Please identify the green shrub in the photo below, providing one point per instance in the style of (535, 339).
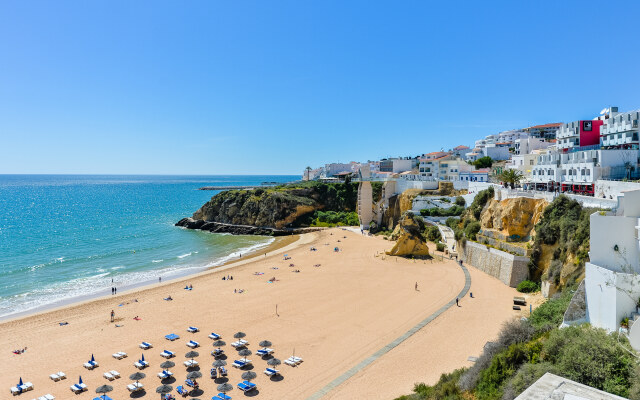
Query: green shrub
(432, 233)
(527, 286)
(445, 389)
(526, 376)
(440, 246)
(472, 229)
(460, 201)
(480, 201)
(442, 212)
(549, 314)
(592, 357)
(333, 218)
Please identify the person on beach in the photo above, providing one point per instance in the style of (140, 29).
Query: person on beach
(159, 279)
(115, 290)
(113, 315)
(416, 286)
(112, 290)
(457, 302)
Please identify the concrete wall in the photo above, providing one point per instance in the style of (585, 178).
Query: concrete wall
(608, 231)
(510, 269)
(402, 185)
(613, 189)
(586, 201)
(611, 296)
(365, 204)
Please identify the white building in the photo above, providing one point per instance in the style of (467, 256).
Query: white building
(496, 152)
(563, 171)
(450, 170)
(312, 174)
(528, 145)
(335, 168)
(398, 165)
(523, 163)
(511, 136)
(429, 165)
(621, 130)
(612, 280)
(480, 175)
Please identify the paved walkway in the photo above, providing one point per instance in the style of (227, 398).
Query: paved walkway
(364, 363)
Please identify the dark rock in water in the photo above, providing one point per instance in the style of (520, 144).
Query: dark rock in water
(218, 227)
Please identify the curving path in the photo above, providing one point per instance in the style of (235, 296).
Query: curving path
(369, 360)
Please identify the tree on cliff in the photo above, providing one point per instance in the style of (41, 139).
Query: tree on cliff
(483, 162)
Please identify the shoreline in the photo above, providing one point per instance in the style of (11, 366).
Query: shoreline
(272, 248)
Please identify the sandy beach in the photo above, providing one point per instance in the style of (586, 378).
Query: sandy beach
(333, 316)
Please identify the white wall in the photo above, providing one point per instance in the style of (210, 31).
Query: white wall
(613, 188)
(608, 231)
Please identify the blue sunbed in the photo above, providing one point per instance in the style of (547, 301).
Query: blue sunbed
(250, 384)
(244, 387)
(181, 390)
(221, 396)
(172, 337)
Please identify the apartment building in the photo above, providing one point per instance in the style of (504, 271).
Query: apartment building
(545, 131)
(398, 165)
(579, 134)
(621, 130)
(529, 144)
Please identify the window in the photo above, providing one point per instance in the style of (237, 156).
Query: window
(588, 172)
(530, 162)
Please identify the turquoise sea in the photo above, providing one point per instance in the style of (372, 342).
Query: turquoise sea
(66, 237)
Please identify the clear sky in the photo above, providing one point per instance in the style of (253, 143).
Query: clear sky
(269, 87)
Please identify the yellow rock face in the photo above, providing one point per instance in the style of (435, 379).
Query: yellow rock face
(409, 245)
(513, 216)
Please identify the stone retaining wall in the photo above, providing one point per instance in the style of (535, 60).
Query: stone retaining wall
(510, 269)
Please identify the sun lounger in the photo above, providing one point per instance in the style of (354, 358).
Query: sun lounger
(190, 363)
(135, 386)
(119, 355)
(115, 374)
(145, 345)
(172, 337)
(192, 329)
(271, 371)
(77, 388)
(264, 352)
(165, 374)
(240, 343)
(223, 371)
(193, 344)
(217, 352)
(214, 336)
(54, 377)
(141, 364)
(61, 375)
(15, 391)
(190, 382)
(102, 397)
(182, 391)
(167, 354)
(214, 373)
(241, 363)
(293, 361)
(108, 376)
(48, 397)
(221, 396)
(244, 387)
(90, 364)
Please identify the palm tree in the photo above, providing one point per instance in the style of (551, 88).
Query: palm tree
(308, 169)
(511, 177)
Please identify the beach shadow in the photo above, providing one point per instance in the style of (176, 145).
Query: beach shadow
(220, 380)
(276, 378)
(221, 357)
(252, 393)
(138, 394)
(169, 380)
(247, 367)
(196, 392)
(196, 368)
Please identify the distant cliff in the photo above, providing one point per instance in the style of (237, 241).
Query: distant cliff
(273, 210)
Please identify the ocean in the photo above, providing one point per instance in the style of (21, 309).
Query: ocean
(67, 237)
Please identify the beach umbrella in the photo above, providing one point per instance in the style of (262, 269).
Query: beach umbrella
(225, 387)
(274, 362)
(219, 363)
(249, 375)
(92, 358)
(104, 389)
(79, 380)
(244, 353)
(167, 365)
(20, 383)
(192, 354)
(219, 343)
(137, 376)
(194, 375)
(239, 335)
(164, 389)
(142, 359)
(265, 343)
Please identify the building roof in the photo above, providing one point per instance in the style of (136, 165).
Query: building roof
(552, 386)
(343, 173)
(461, 147)
(552, 125)
(481, 171)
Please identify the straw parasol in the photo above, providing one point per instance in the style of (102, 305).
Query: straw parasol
(239, 335)
(274, 362)
(164, 389)
(249, 375)
(244, 353)
(167, 365)
(265, 343)
(219, 363)
(225, 387)
(194, 375)
(104, 389)
(137, 376)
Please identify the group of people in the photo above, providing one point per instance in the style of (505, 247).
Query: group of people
(114, 290)
(19, 351)
(227, 278)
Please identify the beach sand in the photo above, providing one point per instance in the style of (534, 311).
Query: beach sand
(333, 316)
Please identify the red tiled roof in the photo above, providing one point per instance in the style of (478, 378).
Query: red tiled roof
(461, 147)
(553, 125)
(480, 171)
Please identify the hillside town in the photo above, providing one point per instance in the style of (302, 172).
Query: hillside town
(554, 157)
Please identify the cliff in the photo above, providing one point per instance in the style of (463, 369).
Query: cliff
(513, 218)
(409, 241)
(274, 210)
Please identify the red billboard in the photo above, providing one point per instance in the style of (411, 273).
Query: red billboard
(590, 132)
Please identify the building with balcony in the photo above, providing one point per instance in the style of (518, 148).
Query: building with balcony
(398, 165)
(528, 145)
(621, 131)
(579, 134)
(545, 131)
(429, 165)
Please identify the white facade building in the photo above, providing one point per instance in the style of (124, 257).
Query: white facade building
(511, 136)
(429, 165)
(621, 130)
(528, 145)
(480, 175)
(496, 152)
(568, 135)
(335, 168)
(612, 280)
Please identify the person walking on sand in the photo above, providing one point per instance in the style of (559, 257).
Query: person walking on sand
(457, 302)
(159, 279)
(416, 286)
(113, 315)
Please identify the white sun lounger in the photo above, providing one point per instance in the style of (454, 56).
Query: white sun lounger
(264, 352)
(61, 375)
(15, 391)
(165, 374)
(214, 336)
(108, 376)
(145, 345)
(293, 361)
(240, 343)
(46, 397)
(135, 386)
(77, 388)
(167, 354)
(91, 364)
(193, 344)
(190, 363)
(26, 387)
(271, 371)
(55, 377)
(193, 329)
(119, 355)
(141, 364)
(115, 374)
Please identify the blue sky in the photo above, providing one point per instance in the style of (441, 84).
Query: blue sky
(273, 86)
